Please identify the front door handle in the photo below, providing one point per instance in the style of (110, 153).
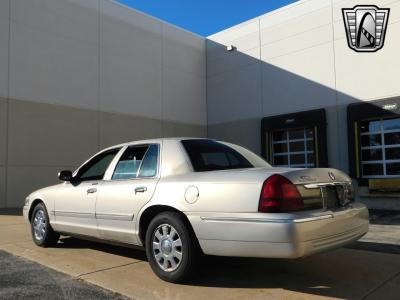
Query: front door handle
(91, 191)
(140, 189)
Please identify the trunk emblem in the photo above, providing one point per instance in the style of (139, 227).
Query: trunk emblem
(331, 175)
(307, 178)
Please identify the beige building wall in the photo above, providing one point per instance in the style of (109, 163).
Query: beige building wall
(79, 75)
(294, 59)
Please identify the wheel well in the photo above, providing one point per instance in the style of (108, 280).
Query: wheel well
(151, 212)
(34, 203)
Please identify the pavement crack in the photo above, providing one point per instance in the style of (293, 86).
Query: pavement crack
(380, 285)
(106, 269)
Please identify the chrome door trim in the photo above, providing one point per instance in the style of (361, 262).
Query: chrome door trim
(117, 217)
(73, 214)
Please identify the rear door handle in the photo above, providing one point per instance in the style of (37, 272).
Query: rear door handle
(91, 191)
(140, 189)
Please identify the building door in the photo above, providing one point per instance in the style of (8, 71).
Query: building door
(295, 140)
(380, 148)
(293, 148)
(374, 144)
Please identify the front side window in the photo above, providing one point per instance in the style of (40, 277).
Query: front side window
(137, 161)
(209, 155)
(97, 166)
(380, 148)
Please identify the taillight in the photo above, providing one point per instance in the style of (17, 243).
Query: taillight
(279, 194)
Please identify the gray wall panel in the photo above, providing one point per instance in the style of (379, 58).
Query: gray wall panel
(183, 51)
(54, 69)
(120, 128)
(184, 97)
(50, 62)
(2, 186)
(234, 95)
(22, 180)
(50, 135)
(3, 131)
(130, 72)
(177, 129)
(4, 39)
(241, 132)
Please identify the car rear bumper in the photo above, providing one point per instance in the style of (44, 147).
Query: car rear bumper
(279, 235)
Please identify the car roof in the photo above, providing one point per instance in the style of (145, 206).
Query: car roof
(158, 140)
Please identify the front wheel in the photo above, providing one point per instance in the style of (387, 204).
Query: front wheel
(171, 247)
(42, 233)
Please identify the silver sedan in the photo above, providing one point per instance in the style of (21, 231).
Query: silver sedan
(181, 198)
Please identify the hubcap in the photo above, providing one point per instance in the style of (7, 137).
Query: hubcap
(167, 247)
(39, 224)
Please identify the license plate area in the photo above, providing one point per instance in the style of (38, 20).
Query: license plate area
(335, 196)
(331, 199)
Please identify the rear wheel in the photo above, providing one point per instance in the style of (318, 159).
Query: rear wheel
(42, 233)
(171, 247)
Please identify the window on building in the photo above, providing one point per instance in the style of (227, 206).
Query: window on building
(380, 148)
(295, 140)
(293, 148)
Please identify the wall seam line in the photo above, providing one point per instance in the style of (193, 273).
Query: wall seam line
(206, 84)
(261, 80)
(99, 77)
(336, 91)
(6, 169)
(162, 82)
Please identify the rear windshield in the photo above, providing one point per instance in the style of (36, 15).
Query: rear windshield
(209, 155)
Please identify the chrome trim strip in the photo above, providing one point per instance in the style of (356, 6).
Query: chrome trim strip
(73, 214)
(117, 217)
(318, 185)
(266, 220)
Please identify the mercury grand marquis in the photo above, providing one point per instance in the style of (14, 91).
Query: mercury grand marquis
(180, 198)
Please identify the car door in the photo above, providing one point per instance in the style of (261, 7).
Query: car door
(121, 196)
(76, 200)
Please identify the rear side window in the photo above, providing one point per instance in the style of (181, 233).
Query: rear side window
(149, 164)
(209, 155)
(137, 161)
(129, 163)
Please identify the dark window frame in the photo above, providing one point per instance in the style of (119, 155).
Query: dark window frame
(315, 119)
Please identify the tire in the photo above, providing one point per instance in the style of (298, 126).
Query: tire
(42, 233)
(169, 240)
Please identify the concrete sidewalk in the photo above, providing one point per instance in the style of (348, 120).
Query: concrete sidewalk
(343, 273)
(383, 234)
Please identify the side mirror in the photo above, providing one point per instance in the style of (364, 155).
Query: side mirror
(65, 175)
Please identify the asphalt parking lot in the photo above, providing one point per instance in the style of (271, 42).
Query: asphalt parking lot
(24, 279)
(347, 273)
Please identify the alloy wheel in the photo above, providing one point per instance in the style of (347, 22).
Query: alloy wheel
(167, 247)
(39, 224)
